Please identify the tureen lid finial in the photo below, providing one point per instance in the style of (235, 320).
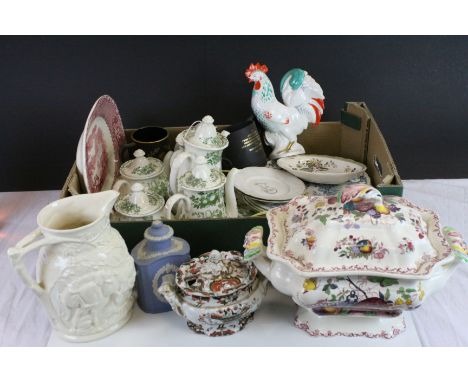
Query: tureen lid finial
(204, 134)
(158, 236)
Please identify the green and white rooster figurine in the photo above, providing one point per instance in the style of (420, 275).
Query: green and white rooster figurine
(304, 104)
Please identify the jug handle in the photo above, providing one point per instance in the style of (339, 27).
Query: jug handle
(183, 212)
(175, 167)
(26, 245)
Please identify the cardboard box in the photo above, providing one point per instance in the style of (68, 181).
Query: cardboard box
(356, 136)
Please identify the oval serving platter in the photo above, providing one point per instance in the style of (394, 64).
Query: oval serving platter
(322, 169)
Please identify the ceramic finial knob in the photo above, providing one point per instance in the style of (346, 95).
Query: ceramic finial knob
(140, 160)
(137, 196)
(138, 153)
(158, 236)
(208, 119)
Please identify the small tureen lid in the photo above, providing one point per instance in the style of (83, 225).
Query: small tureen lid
(357, 232)
(203, 134)
(202, 177)
(141, 167)
(215, 274)
(138, 203)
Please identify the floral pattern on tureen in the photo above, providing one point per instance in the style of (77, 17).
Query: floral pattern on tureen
(215, 274)
(357, 231)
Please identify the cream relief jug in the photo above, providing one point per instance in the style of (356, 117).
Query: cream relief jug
(205, 191)
(200, 139)
(84, 273)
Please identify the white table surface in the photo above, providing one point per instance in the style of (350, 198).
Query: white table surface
(272, 326)
(441, 321)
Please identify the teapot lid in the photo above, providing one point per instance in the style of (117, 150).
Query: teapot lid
(138, 203)
(215, 274)
(141, 167)
(202, 177)
(203, 134)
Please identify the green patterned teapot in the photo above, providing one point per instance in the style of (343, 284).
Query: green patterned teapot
(206, 192)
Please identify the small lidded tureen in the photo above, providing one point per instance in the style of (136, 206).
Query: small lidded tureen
(354, 261)
(217, 293)
(148, 171)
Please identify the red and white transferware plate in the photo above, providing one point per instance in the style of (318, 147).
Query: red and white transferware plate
(98, 154)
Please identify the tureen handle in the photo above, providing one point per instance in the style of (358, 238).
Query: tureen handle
(458, 245)
(256, 251)
(168, 290)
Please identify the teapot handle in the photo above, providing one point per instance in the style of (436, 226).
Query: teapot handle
(183, 211)
(118, 185)
(178, 160)
(231, 201)
(26, 245)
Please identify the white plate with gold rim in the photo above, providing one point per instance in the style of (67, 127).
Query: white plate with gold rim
(268, 183)
(322, 169)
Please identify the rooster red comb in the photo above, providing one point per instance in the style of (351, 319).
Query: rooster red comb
(253, 67)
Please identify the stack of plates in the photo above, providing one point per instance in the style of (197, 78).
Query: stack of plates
(259, 189)
(254, 205)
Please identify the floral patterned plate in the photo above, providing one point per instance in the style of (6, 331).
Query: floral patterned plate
(321, 168)
(316, 189)
(98, 154)
(357, 232)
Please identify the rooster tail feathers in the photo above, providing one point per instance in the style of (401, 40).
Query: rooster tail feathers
(295, 78)
(301, 91)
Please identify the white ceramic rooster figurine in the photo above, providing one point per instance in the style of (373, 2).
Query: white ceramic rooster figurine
(304, 102)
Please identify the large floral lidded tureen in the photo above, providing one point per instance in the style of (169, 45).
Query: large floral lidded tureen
(217, 293)
(353, 262)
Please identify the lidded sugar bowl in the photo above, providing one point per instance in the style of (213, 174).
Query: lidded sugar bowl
(217, 292)
(150, 172)
(353, 262)
(157, 258)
